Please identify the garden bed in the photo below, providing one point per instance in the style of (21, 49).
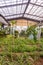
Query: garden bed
(20, 51)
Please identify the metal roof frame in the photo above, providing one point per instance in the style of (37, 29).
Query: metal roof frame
(25, 4)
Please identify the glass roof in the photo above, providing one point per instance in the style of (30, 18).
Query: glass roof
(32, 9)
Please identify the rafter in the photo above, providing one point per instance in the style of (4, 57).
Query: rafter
(21, 14)
(12, 5)
(26, 7)
(36, 4)
(13, 15)
(3, 18)
(23, 18)
(34, 15)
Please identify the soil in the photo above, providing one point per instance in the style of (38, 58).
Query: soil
(39, 62)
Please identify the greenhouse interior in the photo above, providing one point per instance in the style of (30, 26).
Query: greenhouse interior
(21, 32)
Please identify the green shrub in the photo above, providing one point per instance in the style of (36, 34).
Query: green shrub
(31, 30)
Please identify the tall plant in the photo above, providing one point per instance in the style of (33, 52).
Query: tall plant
(12, 23)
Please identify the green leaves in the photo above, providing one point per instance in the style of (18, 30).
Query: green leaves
(31, 30)
(13, 22)
(11, 44)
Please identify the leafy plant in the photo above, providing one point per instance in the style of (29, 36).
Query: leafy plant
(31, 30)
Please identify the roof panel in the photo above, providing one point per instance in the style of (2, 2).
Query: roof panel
(8, 2)
(23, 8)
(38, 10)
(4, 11)
(25, 0)
(18, 9)
(11, 2)
(33, 1)
(13, 10)
(29, 7)
(39, 2)
(33, 9)
(40, 13)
